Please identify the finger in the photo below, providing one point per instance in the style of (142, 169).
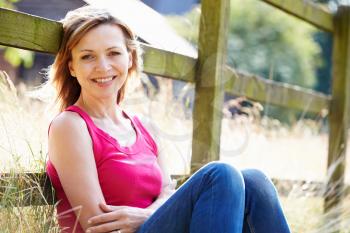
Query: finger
(102, 218)
(106, 227)
(109, 208)
(106, 208)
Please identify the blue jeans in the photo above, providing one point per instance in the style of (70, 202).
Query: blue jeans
(220, 199)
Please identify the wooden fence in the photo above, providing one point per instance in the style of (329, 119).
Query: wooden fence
(212, 77)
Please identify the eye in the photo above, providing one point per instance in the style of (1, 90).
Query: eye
(86, 57)
(114, 53)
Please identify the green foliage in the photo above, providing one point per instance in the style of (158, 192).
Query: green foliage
(266, 42)
(263, 41)
(16, 56)
(270, 43)
(187, 25)
(8, 3)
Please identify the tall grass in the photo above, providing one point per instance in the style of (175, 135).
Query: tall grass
(23, 147)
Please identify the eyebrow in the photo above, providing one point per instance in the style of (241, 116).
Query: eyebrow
(89, 50)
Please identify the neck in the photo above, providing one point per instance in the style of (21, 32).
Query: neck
(100, 109)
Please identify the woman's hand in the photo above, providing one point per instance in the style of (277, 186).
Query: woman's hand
(124, 218)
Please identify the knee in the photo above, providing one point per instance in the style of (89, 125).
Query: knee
(258, 184)
(225, 175)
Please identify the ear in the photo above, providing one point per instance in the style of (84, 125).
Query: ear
(130, 60)
(71, 70)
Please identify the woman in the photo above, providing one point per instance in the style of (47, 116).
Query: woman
(104, 164)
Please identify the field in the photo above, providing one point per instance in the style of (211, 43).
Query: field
(297, 152)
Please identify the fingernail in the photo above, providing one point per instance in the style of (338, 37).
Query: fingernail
(89, 221)
(88, 231)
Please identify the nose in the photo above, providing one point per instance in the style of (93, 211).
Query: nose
(102, 64)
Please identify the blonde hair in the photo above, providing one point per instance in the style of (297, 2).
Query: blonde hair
(75, 25)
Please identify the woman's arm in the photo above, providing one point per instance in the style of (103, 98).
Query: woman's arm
(127, 218)
(71, 153)
(168, 186)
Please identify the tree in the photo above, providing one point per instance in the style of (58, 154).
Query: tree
(8, 3)
(267, 42)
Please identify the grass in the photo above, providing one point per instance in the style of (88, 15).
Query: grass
(305, 214)
(297, 152)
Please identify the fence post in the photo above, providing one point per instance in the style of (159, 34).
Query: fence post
(338, 109)
(209, 90)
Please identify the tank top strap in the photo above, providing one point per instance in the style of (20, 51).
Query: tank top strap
(146, 135)
(89, 123)
(82, 114)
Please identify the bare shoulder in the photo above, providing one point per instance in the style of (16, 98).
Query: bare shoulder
(71, 153)
(68, 133)
(66, 121)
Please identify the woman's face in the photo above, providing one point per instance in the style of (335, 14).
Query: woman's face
(100, 61)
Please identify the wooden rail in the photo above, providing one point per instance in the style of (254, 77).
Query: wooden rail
(29, 189)
(162, 63)
(168, 64)
(26, 31)
(307, 11)
(34, 33)
(276, 93)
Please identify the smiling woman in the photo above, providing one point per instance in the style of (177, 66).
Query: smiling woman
(100, 63)
(104, 164)
(78, 24)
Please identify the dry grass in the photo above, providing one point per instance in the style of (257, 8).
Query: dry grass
(297, 152)
(305, 215)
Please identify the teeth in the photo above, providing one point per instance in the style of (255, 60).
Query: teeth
(103, 80)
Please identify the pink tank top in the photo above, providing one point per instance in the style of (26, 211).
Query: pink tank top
(128, 176)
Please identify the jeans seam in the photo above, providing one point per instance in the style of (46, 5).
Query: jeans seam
(202, 181)
(211, 207)
(251, 228)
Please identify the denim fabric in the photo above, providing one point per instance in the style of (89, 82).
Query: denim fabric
(220, 199)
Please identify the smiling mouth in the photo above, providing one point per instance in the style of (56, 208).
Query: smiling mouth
(103, 80)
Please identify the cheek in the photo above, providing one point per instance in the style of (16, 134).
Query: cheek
(84, 69)
(122, 62)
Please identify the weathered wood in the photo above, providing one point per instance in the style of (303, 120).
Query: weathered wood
(34, 33)
(168, 64)
(28, 189)
(158, 62)
(207, 112)
(284, 186)
(25, 189)
(276, 93)
(25, 31)
(338, 109)
(307, 11)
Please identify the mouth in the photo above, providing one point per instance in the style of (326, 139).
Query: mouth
(104, 79)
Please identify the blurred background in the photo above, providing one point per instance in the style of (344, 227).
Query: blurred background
(288, 145)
